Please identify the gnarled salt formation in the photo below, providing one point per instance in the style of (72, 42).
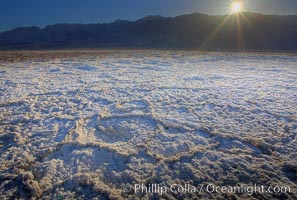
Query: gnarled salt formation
(82, 125)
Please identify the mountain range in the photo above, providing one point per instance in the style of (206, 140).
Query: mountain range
(244, 31)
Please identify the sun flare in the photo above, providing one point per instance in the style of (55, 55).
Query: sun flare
(236, 7)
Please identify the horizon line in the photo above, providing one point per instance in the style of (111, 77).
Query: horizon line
(157, 15)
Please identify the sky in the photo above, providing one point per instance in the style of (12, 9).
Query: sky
(20, 13)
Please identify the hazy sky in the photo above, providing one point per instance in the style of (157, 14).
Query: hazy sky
(15, 13)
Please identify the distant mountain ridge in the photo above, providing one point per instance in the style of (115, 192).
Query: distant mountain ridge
(247, 31)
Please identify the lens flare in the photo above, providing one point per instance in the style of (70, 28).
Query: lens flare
(236, 7)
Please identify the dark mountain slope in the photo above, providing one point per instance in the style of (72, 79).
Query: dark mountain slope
(248, 31)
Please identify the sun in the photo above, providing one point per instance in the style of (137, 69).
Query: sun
(236, 7)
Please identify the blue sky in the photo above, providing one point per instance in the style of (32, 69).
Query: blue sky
(15, 13)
